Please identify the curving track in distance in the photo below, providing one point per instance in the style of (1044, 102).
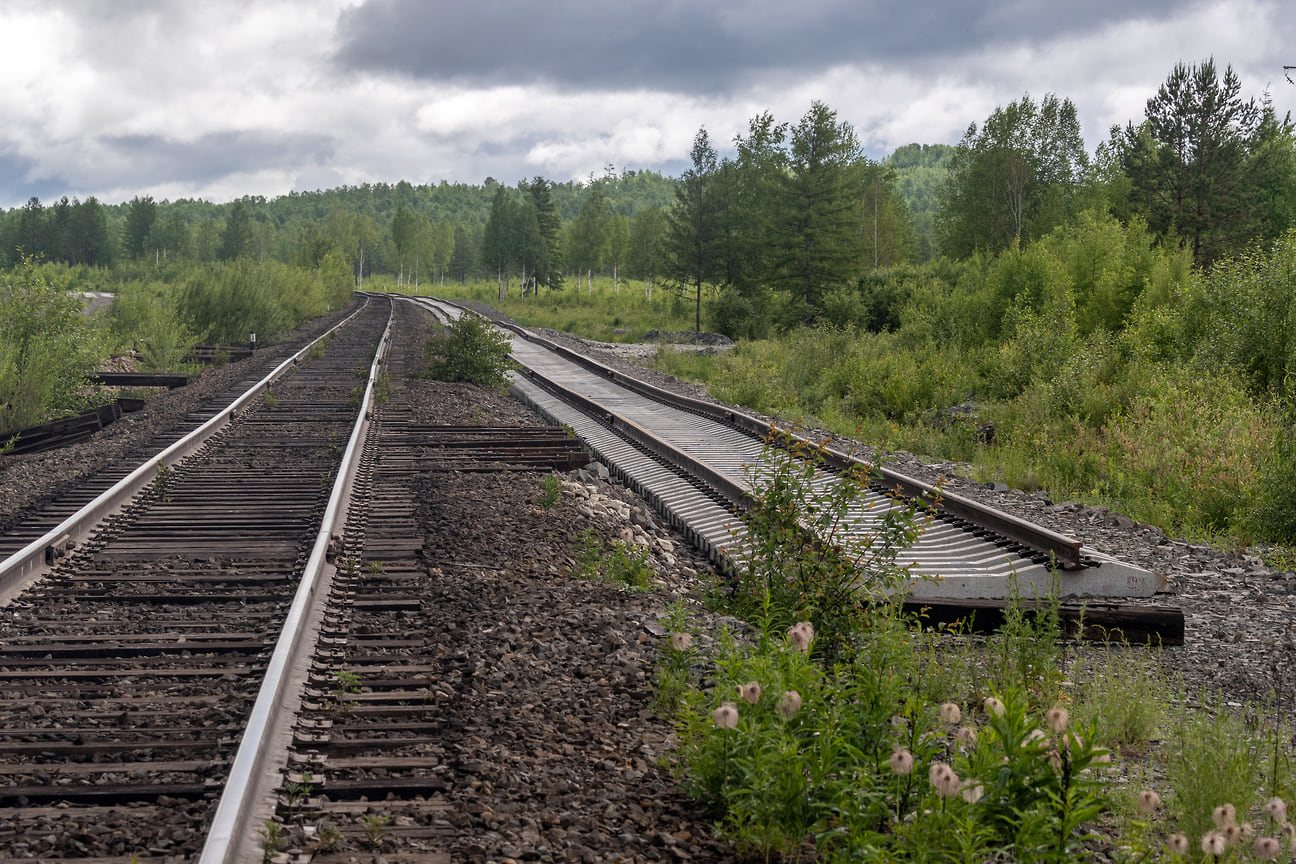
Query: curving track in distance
(696, 461)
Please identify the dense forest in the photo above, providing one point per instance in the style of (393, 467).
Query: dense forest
(1088, 306)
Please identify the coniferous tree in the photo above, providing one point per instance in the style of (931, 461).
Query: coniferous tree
(32, 230)
(1190, 165)
(816, 237)
(87, 235)
(549, 270)
(496, 255)
(140, 216)
(236, 236)
(757, 172)
(693, 229)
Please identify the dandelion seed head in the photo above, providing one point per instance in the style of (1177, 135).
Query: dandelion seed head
(972, 791)
(994, 706)
(1213, 843)
(726, 716)
(1178, 844)
(789, 704)
(950, 713)
(800, 635)
(944, 779)
(965, 737)
(681, 641)
(1266, 848)
(1148, 801)
(1057, 720)
(902, 762)
(1232, 833)
(1276, 809)
(750, 692)
(1225, 814)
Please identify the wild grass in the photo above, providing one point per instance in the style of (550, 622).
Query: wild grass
(605, 315)
(881, 740)
(1187, 450)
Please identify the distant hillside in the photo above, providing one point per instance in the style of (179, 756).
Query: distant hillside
(920, 172)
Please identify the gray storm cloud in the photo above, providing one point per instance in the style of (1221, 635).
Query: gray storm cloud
(689, 46)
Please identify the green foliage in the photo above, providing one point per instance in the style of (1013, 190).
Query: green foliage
(147, 318)
(376, 827)
(382, 389)
(550, 492)
(1274, 512)
(271, 836)
(471, 350)
(693, 227)
(674, 674)
(1013, 179)
(1165, 401)
(162, 481)
(627, 564)
(589, 555)
(920, 171)
(48, 349)
(1190, 165)
(1210, 762)
(345, 684)
(623, 563)
(1241, 316)
(816, 241)
(821, 552)
(782, 752)
(1023, 655)
(224, 303)
(1126, 698)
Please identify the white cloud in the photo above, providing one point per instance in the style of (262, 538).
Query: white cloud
(219, 99)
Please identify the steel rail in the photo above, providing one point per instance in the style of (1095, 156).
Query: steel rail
(1012, 550)
(1063, 551)
(230, 838)
(25, 565)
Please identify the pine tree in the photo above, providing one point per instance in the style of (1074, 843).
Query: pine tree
(1189, 162)
(693, 226)
(816, 237)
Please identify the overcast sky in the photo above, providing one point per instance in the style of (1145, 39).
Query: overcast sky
(221, 98)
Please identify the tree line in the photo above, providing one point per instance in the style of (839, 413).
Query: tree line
(794, 221)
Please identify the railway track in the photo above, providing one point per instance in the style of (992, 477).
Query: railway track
(132, 668)
(148, 683)
(696, 462)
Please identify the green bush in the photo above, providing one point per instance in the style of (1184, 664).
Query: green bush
(49, 347)
(224, 303)
(146, 317)
(470, 350)
(823, 552)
